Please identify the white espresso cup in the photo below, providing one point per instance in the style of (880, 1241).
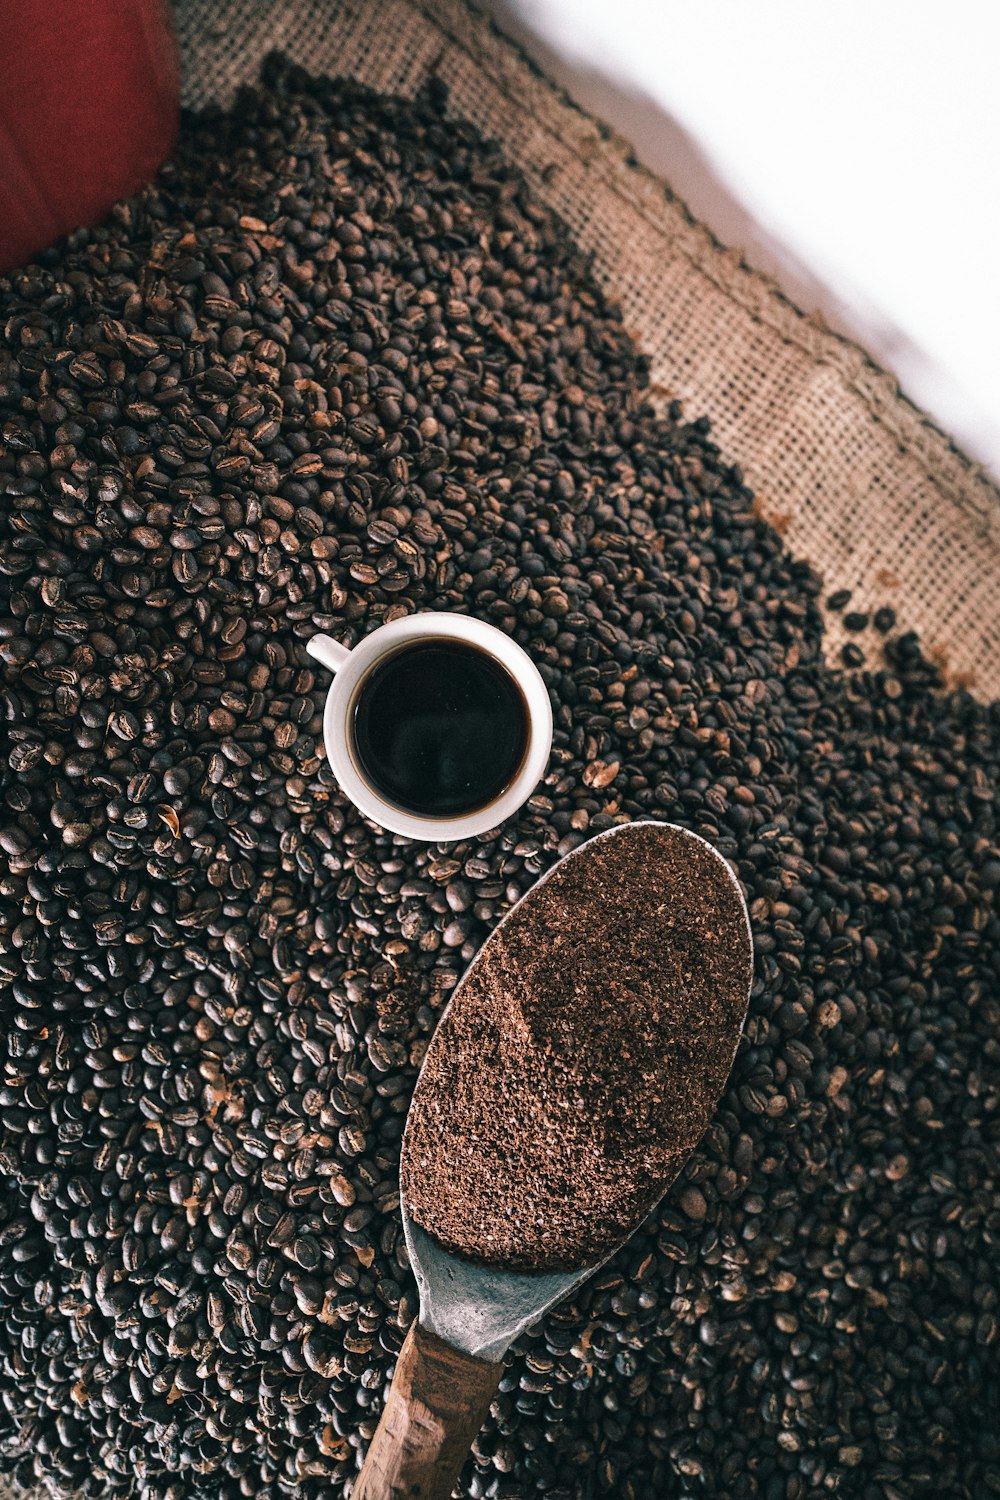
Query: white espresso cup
(352, 667)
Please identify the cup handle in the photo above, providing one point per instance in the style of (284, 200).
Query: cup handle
(324, 649)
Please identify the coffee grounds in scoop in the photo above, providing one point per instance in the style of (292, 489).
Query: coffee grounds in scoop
(583, 1054)
(440, 728)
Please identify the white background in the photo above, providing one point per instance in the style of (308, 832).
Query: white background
(851, 149)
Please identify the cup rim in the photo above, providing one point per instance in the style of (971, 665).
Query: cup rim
(379, 643)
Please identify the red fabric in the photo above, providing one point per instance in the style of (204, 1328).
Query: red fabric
(88, 111)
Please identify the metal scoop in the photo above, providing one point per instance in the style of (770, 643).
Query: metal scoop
(470, 1314)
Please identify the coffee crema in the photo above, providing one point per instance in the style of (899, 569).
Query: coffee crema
(439, 728)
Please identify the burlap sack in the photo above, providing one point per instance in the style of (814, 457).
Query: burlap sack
(860, 482)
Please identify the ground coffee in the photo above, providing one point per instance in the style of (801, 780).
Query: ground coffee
(582, 1055)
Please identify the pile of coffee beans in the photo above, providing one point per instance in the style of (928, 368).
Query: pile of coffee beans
(333, 367)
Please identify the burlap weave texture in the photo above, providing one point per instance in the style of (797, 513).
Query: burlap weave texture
(859, 481)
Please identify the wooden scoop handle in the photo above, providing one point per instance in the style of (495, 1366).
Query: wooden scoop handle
(437, 1403)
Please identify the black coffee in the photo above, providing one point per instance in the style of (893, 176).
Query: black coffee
(440, 728)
